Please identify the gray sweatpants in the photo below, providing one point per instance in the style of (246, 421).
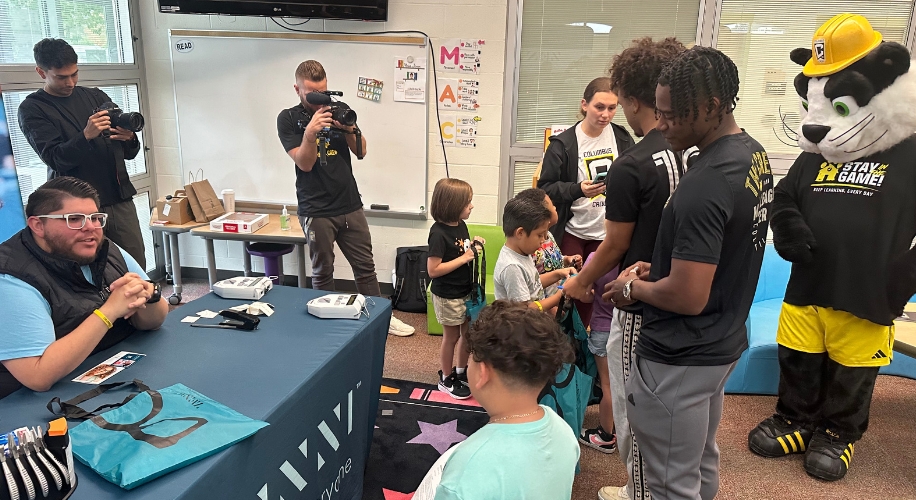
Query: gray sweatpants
(674, 412)
(624, 334)
(351, 232)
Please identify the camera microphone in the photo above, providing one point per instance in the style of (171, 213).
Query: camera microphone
(318, 99)
(340, 111)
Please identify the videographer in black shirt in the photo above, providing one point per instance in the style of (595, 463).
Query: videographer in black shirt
(65, 127)
(330, 208)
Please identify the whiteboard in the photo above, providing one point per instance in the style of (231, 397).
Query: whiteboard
(230, 87)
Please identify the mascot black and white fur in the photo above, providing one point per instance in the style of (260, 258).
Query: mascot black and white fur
(845, 216)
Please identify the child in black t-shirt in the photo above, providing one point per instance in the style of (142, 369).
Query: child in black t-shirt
(450, 254)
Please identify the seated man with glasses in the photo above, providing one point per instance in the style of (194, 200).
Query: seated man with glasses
(67, 290)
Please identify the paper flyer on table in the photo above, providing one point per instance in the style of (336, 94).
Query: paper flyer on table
(109, 368)
(410, 79)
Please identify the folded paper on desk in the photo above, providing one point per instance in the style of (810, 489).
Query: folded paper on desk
(153, 433)
(205, 205)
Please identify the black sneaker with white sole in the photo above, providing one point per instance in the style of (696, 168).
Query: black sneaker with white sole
(451, 386)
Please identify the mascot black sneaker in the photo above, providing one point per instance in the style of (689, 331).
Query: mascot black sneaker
(829, 456)
(778, 437)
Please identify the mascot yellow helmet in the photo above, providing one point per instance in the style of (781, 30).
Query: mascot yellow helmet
(839, 42)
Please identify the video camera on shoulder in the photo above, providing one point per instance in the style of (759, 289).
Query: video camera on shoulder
(132, 121)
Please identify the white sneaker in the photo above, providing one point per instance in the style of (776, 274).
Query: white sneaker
(613, 493)
(399, 328)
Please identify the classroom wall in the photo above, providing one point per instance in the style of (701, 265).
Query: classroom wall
(479, 19)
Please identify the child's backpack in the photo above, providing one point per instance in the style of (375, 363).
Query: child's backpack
(411, 279)
(478, 296)
(570, 393)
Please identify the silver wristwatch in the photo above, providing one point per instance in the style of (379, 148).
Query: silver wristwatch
(628, 288)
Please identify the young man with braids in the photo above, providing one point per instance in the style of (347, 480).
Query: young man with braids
(639, 184)
(698, 290)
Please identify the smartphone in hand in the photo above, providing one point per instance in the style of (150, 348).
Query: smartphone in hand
(600, 178)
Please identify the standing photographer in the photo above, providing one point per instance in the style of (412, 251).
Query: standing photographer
(63, 124)
(330, 208)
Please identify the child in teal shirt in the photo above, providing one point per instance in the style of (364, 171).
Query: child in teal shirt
(526, 451)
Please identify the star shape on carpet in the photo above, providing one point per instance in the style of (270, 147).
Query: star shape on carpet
(396, 495)
(439, 436)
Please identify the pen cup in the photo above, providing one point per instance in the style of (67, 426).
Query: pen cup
(228, 200)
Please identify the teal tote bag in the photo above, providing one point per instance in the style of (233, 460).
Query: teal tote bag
(152, 433)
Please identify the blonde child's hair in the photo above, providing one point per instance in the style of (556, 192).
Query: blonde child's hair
(450, 197)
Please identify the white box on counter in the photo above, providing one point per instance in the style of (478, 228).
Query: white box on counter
(239, 222)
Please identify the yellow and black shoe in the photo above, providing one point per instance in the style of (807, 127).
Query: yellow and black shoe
(778, 437)
(828, 456)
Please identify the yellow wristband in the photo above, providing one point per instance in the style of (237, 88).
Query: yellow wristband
(540, 307)
(104, 318)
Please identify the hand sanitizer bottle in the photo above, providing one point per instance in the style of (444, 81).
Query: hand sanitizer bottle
(284, 219)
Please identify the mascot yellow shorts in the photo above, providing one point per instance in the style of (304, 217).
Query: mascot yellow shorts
(847, 339)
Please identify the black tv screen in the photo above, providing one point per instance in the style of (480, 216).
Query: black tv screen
(365, 10)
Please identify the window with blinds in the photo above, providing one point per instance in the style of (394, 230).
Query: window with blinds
(566, 44)
(31, 170)
(523, 176)
(758, 36)
(98, 30)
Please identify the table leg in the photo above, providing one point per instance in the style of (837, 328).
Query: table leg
(211, 261)
(246, 259)
(175, 299)
(300, 250)
(167, 254)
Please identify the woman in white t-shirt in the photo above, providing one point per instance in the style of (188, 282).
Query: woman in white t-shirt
(574, 165)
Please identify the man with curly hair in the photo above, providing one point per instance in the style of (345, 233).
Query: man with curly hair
(639, 184)
(526, 450)
(698, 290)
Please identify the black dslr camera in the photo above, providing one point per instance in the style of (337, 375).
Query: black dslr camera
(131, 121)
(340, 112)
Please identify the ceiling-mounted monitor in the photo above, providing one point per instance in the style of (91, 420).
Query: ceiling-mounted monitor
(365, 10)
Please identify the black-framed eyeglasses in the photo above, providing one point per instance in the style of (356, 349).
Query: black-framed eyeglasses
(78, 221)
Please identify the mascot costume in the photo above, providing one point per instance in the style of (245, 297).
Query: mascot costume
(845, 216)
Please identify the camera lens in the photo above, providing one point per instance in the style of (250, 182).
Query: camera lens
(345, 116)
(132, 121)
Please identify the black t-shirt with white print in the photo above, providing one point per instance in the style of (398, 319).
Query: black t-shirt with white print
(639, 184)
(863, 216)
(326, 190)
(449, 243)
(718, 215)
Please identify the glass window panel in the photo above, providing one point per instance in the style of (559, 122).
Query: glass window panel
(98, 30)
(758, 36)
(566, 44)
